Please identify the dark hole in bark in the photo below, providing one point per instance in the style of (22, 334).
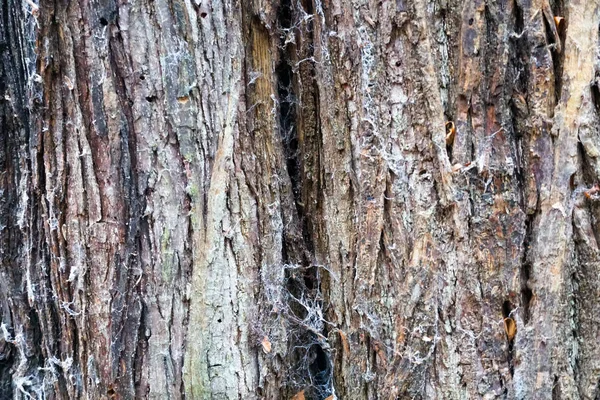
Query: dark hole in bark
(320, 371)
(150, 99)
(449, 148)
(142, 77)
(506, 309)
(203, 14)
(285, 14)
(518, 15)
(219, 320)
(103, 21)
(309, 278)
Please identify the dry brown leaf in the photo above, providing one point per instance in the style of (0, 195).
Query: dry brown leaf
(266, 345)
(450, 133)
(330, 397)
(510, 326)
(558, 20)
(299, 396)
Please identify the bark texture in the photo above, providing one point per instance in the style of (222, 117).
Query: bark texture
(352, 199)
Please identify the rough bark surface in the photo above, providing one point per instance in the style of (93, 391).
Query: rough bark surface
(353, 199)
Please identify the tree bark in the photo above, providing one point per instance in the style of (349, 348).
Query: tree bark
(352, 199)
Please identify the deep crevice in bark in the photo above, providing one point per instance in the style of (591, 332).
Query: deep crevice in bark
(559, 10)
(519, 53)
(287, 127)
(314, 368)
(556, 393)
(526, 292)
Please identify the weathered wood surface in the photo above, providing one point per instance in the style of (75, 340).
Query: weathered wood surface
(267, 199)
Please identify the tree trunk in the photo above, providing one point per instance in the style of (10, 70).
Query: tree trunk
(352, 199)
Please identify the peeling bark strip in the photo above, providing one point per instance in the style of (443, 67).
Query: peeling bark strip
(299, 199)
